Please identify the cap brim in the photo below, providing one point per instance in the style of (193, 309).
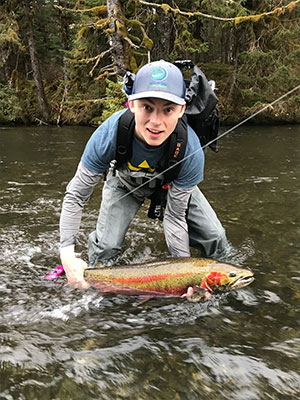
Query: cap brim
(158, 95)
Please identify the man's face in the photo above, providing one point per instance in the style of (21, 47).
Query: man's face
(155, 119)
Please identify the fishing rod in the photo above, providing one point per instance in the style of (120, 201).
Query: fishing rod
(212, 141)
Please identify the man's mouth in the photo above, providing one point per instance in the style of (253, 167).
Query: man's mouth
(154, 131)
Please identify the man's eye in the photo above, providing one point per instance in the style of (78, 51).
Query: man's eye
(168, 110)
(146, 107)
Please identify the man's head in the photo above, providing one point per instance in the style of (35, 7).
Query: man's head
(157, 100)
(159, 79)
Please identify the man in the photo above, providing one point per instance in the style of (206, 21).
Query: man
(157, 102)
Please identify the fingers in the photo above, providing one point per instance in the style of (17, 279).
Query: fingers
(74, 268)
(196, 294)
(79, 284)
(189, 293)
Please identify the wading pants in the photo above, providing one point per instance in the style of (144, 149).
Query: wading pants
(116, 213)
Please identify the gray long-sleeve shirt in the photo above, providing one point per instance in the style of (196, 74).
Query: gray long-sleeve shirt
(99, 152)
(77, 194)
(80, 189)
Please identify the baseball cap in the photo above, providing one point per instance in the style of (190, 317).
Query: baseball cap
(159, 79)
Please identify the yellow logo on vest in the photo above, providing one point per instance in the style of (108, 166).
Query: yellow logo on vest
(143, 165)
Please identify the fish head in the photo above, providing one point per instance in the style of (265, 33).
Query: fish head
(226, 277)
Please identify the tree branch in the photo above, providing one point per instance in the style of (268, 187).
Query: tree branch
(95, 10)
(131, 43)
(277, 11)
(98, 58)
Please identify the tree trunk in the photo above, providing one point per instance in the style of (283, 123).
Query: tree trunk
(114, 12)
(163, 32)
(37, 76)
(64, 28)
(4, 59)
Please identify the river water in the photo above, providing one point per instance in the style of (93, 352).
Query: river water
(62, 343)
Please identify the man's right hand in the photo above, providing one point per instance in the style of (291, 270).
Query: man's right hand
(74, 267)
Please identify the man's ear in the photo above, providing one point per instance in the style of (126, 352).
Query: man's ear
(131, 106)
(182, 110)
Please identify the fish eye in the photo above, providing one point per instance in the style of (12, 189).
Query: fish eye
(232, 274)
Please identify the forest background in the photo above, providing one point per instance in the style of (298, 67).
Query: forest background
(62, 61)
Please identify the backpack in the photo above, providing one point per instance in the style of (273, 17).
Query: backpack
(201, 114)
(201, 105)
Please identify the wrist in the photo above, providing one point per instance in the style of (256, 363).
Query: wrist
(67, 253)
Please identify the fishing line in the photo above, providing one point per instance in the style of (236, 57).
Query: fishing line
(212, 141)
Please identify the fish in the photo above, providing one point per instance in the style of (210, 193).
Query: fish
(169, 277)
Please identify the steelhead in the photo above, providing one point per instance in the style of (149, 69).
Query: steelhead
(169, 277)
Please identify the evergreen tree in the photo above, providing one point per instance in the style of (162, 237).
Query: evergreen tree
(71, 54)
(34, 58)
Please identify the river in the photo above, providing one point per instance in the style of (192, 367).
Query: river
(62, 343)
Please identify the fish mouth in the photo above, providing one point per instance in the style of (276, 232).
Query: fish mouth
(242, 281)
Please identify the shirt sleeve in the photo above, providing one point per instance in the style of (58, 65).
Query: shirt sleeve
(96, 158)
(101, 147)
(77, 194)
(175, 224)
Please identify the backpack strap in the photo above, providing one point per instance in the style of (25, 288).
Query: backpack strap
(124, 138)
(176, 151)
(176, 146)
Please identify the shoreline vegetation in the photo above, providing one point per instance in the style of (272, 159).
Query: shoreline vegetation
(62, 61)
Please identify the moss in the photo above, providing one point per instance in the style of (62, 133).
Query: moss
(166, 7)
(155, 17)
(148, 43)
(252, 18)
(102, 22)
(134, 23)
(99, 10)
(14, 79)
(103, 75)
(133, 65)
(82, 32)
(134, 39)
(139, 53)
(291, 5)
(10, 107)
(115, 99)
(121, 28)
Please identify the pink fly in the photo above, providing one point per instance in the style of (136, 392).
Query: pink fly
(55, 273)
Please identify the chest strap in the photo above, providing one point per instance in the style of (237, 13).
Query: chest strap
(175, 150)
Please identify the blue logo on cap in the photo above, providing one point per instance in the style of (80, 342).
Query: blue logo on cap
(159, 73)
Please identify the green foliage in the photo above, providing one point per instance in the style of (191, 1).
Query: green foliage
(9, 32)
(115, 99)
(297, 99)
(223, 8)
(252, 62)
(9, 105)
(186, 44)
(258, 63)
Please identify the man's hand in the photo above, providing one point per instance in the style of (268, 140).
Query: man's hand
(74, 267)
(189, 293)
(196, 294)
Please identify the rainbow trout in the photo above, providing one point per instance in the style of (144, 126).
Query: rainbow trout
(169, 277)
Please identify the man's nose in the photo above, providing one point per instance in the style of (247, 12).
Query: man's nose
(156, 117)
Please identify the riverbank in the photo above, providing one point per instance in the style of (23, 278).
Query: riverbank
(238, 99)
(283, 113)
